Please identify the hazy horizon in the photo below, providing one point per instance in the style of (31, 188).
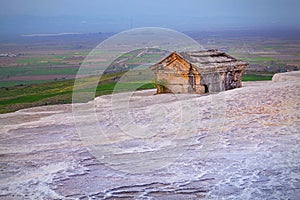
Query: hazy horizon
(76, 16)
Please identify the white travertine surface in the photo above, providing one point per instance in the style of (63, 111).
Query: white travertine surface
(254, 153)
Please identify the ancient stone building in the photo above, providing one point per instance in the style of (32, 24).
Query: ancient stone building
(198, 72)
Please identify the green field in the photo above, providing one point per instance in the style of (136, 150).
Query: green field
(59, 92)
(46, 60)
(250, 77)
(35, 71)
(24, 82)
(260, 59)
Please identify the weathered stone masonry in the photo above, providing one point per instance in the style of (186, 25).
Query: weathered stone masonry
(198, 72)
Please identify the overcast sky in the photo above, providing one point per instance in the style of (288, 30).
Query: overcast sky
(115, 15)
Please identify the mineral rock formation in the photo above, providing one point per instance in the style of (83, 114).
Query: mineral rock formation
(289, 76)
(245, 145)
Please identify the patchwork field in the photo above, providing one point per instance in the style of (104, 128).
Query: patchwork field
(41, 70)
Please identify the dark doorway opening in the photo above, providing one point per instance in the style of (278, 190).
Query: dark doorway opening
(206, 88)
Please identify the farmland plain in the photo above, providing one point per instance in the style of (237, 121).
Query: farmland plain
(41, 70)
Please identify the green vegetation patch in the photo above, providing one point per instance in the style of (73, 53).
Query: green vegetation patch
(7, 72)
(249, 77)
(24, 96)
(55, 60)
(259, 59)
(58, 92)
(25, 82)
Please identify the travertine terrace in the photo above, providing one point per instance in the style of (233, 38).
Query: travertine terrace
(250, 150)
